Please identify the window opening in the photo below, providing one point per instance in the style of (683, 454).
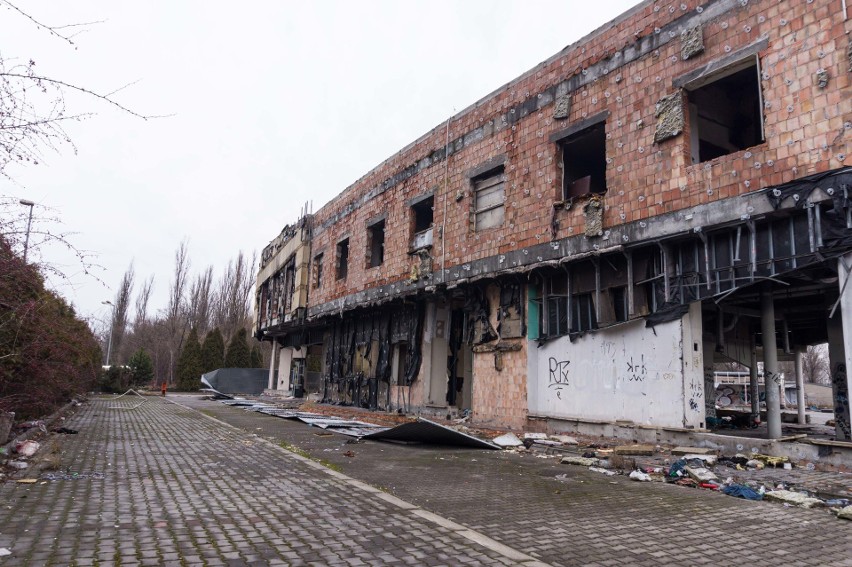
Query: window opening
(342, 258)
(318, 270)
(422, 215)
(376, 244)
(584, 162)
(725, 115)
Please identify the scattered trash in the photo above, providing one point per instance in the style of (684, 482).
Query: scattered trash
(755, 464)
(4, 551)
(837, 502)
(27, 481)
(72, 476)
(27, 448)
(788, 466)
(582, 461)
(349, 454)
(507, 440)
(708, 460)
(640, 476)
(20, 465)
(709, 485)
(67, 431)
(607, 472)
(676, 470)
(700, 474)
(771, 461)
(565, 439)
(425, 431)
(845, 513)
(794, 499)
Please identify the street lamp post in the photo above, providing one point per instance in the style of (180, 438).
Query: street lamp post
(111, 324)
(29, 204)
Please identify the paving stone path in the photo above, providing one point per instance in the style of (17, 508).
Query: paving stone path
(181, 488)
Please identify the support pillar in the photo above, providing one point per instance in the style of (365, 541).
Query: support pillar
(271, 385)
(753, 386)
(840, 357)
(771, 377)
(800, 387)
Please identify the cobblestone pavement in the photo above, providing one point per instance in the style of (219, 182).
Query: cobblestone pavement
(180, 488)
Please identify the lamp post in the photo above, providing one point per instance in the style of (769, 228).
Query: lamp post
(29, 204)
(111, 323)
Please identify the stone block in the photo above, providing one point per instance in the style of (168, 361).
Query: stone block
(693, 451)
(582, 461)
(794, 498)
(669, 115)
(646, 450)
(562, 108)
(691, 42)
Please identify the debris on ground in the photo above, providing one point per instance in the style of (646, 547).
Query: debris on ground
(742, 491)
(642, 450)
(640, 476)
(18, 464)
(700, 474)
(581, 461)
(27, 448)
(794, 498)
(4, 551)
(845, 513)
(508, 440)
(602, 470)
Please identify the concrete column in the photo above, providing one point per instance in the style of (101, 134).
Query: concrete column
(753, 386)
(840, 357)
(800, 386)
(272, 370)
(771, 377)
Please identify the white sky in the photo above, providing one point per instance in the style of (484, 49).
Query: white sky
(272, 104)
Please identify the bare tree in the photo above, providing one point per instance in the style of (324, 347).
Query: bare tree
(175, 321)
(120, 312)
(142, 300)
(200, 305)
(815, 364)
(32, 105)
(233, 295)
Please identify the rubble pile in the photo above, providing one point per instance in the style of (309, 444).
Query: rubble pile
(739, 475)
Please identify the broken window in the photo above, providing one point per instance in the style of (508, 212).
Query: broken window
(376, 244)
(725, 114)
(342, 258)
(422, 215)
(584, 162)
(488, 197)
(317, 271)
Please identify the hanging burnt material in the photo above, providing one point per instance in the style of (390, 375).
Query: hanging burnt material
(510, 316)
(359, 354)
(476, 306)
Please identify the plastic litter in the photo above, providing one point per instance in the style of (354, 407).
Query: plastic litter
(640, 476)
(602, 471)
(27, 448)
(742, 491)
(4, 551)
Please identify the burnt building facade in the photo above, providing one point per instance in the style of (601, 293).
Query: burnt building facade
(581, 246)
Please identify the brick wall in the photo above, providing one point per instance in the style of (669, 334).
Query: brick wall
(500, 396)
(807, 130)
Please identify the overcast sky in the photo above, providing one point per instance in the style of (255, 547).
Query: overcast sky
(270, 104)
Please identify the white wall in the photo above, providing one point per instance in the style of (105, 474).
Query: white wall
(627, 372)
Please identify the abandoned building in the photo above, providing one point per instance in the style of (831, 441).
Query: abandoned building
(581, 246)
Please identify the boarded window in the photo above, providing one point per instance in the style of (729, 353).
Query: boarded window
(725, 114)
(488, 196)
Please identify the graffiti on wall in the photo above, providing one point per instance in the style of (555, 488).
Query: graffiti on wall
(558, 378)
(636, 370)
(696, 396)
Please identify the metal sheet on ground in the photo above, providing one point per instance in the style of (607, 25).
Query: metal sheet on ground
(425, 431)
(335, 422)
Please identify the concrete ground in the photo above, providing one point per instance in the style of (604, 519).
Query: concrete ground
(186, 481)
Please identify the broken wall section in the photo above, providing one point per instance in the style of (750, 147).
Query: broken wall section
(648, 376)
